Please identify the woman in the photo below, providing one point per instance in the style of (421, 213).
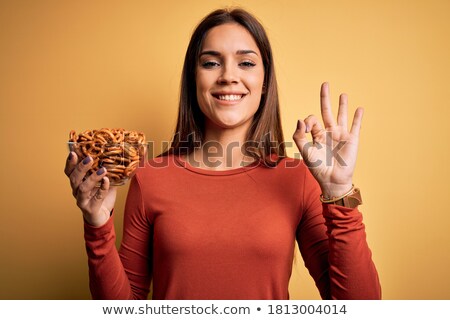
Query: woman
(220, 219)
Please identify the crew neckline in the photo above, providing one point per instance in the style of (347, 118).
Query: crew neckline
(229, 172)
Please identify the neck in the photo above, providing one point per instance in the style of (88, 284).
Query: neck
(221, 149)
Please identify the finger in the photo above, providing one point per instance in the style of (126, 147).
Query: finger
(85, 189)
(300, 136)
(103, 190)
(77, 175)
(342, 112)
(357, 119)
(71, 162)
(325, 106)
(314, 126)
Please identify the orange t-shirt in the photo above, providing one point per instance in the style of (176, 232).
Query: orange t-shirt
(204, 234)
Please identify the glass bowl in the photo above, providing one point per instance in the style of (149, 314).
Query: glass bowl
(120, 159)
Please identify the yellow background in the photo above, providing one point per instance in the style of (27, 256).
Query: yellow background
(87, 64)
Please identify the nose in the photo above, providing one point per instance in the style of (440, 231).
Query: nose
(229, 75)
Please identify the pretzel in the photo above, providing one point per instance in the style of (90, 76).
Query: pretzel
(119, 151)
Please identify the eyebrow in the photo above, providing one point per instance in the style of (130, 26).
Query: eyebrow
(217, 53)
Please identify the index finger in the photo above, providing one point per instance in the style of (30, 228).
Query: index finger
(325, 106)
(71, 162)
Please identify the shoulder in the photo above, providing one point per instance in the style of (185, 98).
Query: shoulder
(293, 171)
(292, 166)
(288, 162)
(287, 172)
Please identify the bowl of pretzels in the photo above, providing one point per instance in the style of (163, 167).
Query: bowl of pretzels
(119, 151)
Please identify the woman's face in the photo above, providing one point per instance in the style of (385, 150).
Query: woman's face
(229, 77)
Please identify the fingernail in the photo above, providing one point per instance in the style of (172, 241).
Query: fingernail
(87, 160)
(70, 156)
(307, 128)
(100, 171)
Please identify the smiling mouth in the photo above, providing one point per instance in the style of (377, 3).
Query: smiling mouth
(229, 97)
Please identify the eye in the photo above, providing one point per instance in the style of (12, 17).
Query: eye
(210, 64)
(247, 64)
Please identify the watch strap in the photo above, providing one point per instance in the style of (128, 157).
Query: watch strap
(352, 200)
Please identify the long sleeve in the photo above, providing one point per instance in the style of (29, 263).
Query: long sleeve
(332, 241)
(126, 275)
(198, 235)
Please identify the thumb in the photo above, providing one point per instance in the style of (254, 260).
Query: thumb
(102, 191)
(300, 136)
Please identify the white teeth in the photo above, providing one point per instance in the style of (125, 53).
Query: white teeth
(230, 97)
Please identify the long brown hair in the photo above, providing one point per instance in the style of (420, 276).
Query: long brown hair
(265, 135)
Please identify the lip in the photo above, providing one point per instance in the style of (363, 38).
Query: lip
(226, 93)
(216, 93)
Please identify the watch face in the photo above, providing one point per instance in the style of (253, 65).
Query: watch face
(354, 199)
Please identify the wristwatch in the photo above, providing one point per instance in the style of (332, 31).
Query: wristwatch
(352, 199)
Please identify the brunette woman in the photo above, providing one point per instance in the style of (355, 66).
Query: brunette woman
(218, 214)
